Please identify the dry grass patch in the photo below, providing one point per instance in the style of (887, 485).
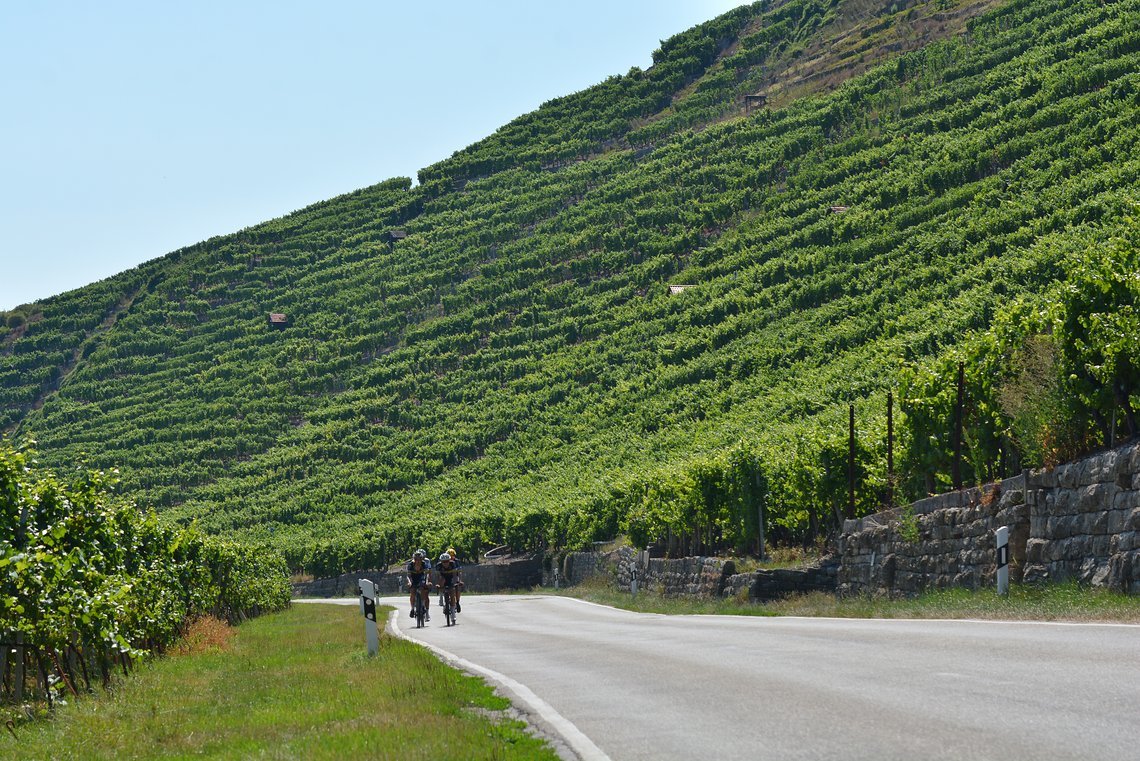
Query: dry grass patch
(204, 634)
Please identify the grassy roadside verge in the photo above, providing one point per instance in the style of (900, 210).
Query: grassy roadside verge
(293, 685)
(1067, 602)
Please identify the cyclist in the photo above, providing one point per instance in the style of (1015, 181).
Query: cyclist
(448, 570)
(459, 589)
(451, 552)
(418, 570)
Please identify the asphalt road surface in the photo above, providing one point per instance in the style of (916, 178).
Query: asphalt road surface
(640, 686)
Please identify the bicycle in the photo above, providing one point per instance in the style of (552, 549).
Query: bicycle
(448, 594)
(421, 606)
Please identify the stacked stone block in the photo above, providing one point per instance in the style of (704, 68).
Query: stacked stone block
(693, 577)
(577, 567)
(1079, 521)
(775, 584)
(344, 585)
(1085, 522)
(939, 542)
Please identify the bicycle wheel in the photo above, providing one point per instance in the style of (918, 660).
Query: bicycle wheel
(421, 612)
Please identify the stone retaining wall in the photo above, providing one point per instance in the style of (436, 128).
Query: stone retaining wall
(1084, 521)
(775, 584)
(693, 576)
(1077, 521)
(517, 573)
(950, 542)
(344, 585)
(577, 567)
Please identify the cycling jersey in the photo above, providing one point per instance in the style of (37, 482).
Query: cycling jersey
(420, 576)
(448, 573)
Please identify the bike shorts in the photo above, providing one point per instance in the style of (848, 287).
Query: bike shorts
(451, 581)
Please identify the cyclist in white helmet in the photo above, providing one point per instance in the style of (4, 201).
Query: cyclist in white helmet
(418, 570)
(448, 570)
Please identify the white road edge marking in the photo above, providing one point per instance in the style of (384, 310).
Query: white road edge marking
(570, 734)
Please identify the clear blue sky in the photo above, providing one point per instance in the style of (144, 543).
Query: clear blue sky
(130, 129)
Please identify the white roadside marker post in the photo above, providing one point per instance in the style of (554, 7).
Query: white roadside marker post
(368, 608)
(1001, 540)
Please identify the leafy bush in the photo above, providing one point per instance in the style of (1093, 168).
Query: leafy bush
(1040, 423)
(86, 578)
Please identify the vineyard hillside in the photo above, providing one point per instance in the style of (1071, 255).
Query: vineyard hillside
(643, 308)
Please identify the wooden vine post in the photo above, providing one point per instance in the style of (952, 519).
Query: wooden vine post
(851, 461)
(958, 414)
(18, 681)
(760, 516)
(890, 450)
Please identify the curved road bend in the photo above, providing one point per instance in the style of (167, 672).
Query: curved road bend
(645, 686)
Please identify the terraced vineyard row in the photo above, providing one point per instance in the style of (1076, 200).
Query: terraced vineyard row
(496, 355)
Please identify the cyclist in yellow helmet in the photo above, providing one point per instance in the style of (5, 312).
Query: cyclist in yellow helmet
(448, 570)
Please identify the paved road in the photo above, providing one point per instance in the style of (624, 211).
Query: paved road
(642, 686)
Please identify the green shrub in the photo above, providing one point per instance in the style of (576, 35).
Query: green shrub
(86, 573)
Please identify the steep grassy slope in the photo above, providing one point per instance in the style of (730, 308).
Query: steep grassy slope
(517, 369)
